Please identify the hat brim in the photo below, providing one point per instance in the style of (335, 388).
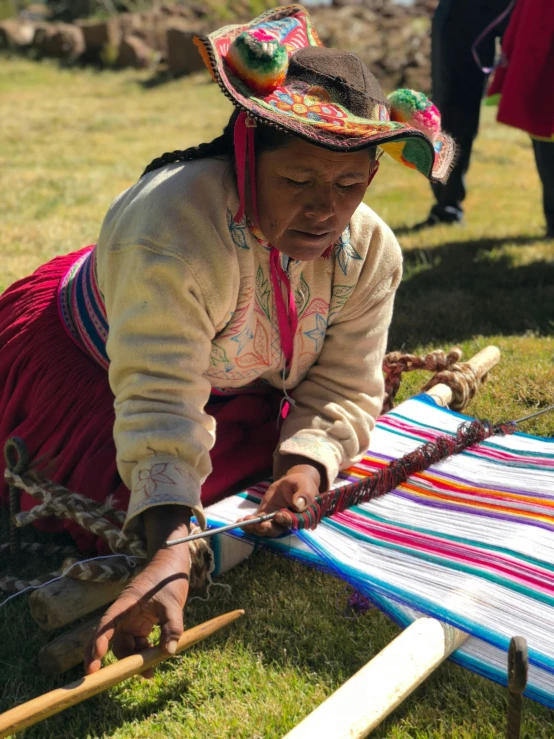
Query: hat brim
(298, 108)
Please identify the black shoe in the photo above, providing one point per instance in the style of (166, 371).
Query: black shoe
(436, 220)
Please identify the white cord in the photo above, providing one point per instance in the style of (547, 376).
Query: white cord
(131, 561)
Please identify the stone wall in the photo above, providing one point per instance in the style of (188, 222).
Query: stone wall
(392, 39)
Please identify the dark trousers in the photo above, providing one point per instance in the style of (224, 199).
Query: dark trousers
(544, 156)
(459, 84)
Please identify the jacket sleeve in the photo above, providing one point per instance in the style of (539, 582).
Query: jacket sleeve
(168, 277)
(337, 403)
(159, 348)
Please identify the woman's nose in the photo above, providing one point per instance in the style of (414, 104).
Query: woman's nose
(320, 205)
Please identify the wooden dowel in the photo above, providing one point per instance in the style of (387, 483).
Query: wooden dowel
(66, 600)
(68, 650)
(481, 363)
(40, 708)
(362, 703)
(485, 360)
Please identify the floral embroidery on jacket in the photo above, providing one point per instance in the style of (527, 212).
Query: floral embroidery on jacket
(237, 231)
(302, 295)
(219, 356)
(263, 292)
(344, 251)
(148, 480)
(317, 334)
(249, 344)
(312, 445)
(317, 306)
(260, 354)
(340, 295)
(242, 338)
(239, 316)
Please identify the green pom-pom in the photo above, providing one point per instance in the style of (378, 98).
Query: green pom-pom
(419, 154)
(265, 55)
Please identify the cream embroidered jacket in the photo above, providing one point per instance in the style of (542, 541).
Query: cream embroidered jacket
(190, 307)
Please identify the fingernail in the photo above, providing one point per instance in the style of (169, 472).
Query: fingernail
(171, 646)
(300, 504)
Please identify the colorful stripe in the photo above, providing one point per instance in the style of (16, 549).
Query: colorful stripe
(82, 308)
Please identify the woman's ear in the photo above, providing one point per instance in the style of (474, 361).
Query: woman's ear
(373, 167)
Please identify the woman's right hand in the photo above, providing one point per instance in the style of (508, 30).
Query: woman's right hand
(157, 595)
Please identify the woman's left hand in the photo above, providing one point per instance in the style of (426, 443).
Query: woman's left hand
(297, 489)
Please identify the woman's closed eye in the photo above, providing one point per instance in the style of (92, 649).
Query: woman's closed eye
(349, 185)
(340, 185)
(297, 183)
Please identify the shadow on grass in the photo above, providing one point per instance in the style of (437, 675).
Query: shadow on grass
(462, 289)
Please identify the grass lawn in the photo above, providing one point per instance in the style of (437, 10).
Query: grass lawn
(70, 142)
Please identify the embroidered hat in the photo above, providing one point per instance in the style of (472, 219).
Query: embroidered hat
(276, 70)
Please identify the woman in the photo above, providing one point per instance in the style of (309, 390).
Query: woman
(231, 277)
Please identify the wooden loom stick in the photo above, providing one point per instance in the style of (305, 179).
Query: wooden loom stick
(40, 708)
(361, 704)
(68, 650)
(65, 600)
(364, 701)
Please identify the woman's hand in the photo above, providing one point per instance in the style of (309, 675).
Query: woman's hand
(296, 489)
(157, 595)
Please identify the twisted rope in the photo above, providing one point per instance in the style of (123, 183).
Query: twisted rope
(37, 547)
(55, 499)
(396, 472)
(15, 585)
(47, 492)
(447, 369)
(59, 501)
(106, 570)
(202, 564)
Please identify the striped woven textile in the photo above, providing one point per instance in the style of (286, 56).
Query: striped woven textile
(470, 541)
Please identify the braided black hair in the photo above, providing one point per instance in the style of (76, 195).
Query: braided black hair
(266, 138)
(219, 146)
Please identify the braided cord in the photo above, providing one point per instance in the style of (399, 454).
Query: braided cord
(395, 473)
(447, 368)
(10, 584)
(58, 500)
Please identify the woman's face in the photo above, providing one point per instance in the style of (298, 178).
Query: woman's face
(307, 195)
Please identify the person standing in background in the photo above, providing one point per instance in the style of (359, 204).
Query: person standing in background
(459, 85)
(523, 83)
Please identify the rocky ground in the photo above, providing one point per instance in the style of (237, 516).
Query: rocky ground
(392, 38)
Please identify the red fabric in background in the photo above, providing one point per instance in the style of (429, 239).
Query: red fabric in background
(526, 83)
(59, 402)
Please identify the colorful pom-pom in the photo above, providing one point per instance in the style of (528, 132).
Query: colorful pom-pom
(259, 60)
(415, 109)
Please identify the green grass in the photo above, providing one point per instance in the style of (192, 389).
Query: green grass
(71, 141)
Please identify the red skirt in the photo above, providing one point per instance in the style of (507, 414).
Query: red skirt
(58, 400)
(525, 82)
